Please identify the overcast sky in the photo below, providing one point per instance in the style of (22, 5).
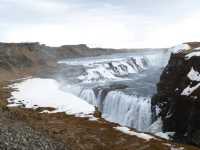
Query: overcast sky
(101, 23)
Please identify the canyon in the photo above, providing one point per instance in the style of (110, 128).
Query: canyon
(127, 110)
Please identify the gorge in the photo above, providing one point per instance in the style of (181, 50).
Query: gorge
(116, 84)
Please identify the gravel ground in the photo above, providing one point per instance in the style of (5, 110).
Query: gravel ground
(16, 135)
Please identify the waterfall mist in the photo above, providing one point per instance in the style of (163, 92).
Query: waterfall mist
(120, 86)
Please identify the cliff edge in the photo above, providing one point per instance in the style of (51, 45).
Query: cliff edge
(24, 59)
(177, 101)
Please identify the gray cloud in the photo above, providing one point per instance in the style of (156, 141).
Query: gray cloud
(106, 23)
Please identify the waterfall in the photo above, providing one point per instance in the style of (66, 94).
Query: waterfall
(158, 60)
(89, 96)
(113, 70)
(119, 69)
(131, 111)
(99, 69)
(115, 106)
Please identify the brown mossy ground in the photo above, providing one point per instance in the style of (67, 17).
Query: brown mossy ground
(79, 133)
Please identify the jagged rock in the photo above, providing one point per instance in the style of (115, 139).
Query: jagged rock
(178, 97)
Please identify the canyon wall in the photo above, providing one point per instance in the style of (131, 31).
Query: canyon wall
(177, 101)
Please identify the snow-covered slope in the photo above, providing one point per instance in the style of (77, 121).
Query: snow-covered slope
(180, 48)
(37, 92)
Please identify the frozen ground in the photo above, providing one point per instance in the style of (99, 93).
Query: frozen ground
(37, 92)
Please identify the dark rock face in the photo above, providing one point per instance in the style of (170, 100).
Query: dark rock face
(180, 113)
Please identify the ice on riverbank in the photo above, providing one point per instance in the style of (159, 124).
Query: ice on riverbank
(37, 92)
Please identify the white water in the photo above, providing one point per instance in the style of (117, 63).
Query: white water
(127, 110)
(89, 96)
(115, 69)
(116, 106)
(130, 111)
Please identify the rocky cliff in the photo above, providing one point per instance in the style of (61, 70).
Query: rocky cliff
(177, 101)
(21, 59)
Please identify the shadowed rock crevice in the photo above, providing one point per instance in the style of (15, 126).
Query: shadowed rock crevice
(180, 112)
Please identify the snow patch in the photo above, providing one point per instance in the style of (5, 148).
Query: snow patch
(193, 75)
(156, 129)
(189, 90)
(173, 147)
(139, 135)
(37, 92)
(190, 55)
(180, 48)
(165, 135)
(156, 126)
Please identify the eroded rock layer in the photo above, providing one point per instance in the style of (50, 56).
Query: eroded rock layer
(177, 100)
